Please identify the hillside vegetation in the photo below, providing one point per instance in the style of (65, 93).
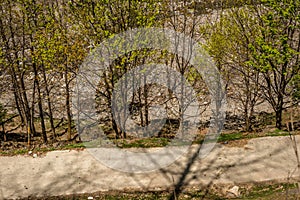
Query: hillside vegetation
(254, 44)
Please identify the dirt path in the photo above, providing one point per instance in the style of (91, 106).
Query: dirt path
(69, 172)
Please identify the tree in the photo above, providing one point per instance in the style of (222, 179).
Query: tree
(102, 19)
(33, 20)
(3, 113)
(38, 42)
(61, 49)
(276, 50)
(296, 88)
(15, 49)
(228, 41)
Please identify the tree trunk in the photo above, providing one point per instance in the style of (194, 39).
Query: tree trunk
(40, 104)
(28, 134)
(247, 117)
(115, 127)
(124, 134)
(68, 106)
(4, 133)
(279, 118)
(29, 116)
(49, 104)
(16, 98)
(278, 112)
(140, 106)
(146, 106)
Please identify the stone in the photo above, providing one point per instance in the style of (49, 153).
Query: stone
(233, 192)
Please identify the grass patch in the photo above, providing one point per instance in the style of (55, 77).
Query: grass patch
(25, 150)
(74, 146)
(261, 191)
(142, 143)
(277, 132)
(157, 195)
(239, 135)
(161, 142)
(20, 151)
(14, 152)
(146, 142)
(230, 136)
(270, 192)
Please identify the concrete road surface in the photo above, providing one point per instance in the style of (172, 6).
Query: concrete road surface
(69, 172)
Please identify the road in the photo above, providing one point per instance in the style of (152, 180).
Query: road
(69, 172)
